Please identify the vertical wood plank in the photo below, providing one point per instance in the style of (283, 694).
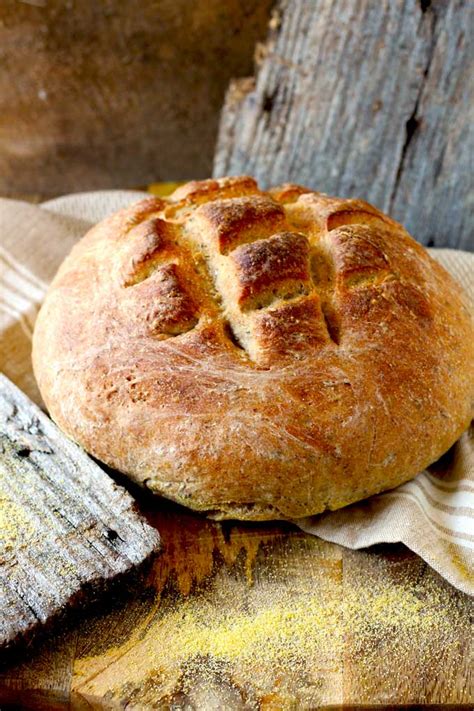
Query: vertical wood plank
(366, 99)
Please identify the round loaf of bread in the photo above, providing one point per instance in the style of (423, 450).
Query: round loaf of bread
(256, 354)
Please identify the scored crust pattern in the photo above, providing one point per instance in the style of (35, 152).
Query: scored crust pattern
(264, 263)
(256, 354)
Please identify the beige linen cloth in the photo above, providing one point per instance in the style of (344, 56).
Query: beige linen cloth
(433, 514)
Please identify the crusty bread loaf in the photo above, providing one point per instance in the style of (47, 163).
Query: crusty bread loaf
(254, 354)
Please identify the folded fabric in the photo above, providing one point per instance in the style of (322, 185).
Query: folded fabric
(433, 514)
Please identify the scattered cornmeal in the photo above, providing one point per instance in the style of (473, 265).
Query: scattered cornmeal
(287, 639)
(14, 525)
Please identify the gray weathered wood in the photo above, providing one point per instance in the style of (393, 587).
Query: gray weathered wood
(65, 526)
(368, 99)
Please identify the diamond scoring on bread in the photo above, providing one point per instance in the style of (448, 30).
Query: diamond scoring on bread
(256, 354)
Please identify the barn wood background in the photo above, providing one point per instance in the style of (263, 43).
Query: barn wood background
(366, 99)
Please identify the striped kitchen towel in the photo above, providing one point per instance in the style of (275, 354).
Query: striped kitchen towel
(433, 514)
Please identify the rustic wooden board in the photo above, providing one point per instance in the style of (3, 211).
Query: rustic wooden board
(367, 99)
(261, 617)
(66, 529)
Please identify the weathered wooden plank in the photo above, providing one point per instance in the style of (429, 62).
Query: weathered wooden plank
(65, 526)
(367, 99)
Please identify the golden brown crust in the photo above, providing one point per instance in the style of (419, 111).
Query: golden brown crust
(256, 354)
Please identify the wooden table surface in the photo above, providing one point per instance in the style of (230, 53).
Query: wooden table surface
(261, 616)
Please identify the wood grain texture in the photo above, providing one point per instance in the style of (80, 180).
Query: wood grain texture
(261, 617)
(116, 94)
(365, 99)
(66, 529)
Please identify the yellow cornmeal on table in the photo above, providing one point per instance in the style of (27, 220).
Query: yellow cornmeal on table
(270, 635)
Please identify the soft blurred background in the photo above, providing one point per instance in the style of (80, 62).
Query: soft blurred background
(116, 93)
